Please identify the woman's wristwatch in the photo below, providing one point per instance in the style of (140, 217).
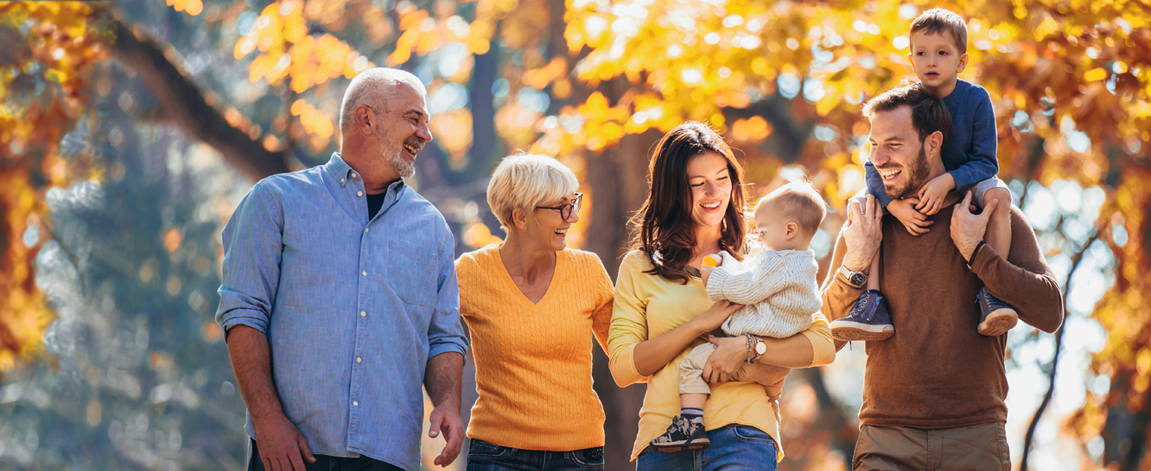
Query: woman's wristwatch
(755, 348)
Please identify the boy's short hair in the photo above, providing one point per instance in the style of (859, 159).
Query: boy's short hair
(526, 181)
(938, 20)
(928, 113)
(798, 201)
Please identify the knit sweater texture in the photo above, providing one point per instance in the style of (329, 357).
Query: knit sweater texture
(937, 371)
(777, 289)
(534, 361)
(647, 306)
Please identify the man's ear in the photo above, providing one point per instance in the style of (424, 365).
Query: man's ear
(962, 63)
(791, 230)
(934, 144)
(364, 120)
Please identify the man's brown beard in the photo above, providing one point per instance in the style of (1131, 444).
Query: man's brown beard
(917, 176)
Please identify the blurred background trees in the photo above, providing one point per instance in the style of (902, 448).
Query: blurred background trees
(129, 130)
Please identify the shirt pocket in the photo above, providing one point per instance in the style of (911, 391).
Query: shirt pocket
(411, 273)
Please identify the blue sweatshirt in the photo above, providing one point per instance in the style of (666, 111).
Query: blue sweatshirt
(969, 154)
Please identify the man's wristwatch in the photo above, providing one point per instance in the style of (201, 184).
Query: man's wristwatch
(856, 279)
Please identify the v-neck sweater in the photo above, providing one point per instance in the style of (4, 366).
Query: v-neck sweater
(534, 360)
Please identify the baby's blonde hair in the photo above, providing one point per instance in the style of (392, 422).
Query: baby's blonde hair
(797, 201)
(526, 181)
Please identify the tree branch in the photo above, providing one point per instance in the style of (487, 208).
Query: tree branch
(185, 105)
(1030, 436)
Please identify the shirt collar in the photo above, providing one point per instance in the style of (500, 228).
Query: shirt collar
(343, 173)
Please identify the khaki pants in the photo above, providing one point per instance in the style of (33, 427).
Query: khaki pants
(691, 371)
(974, 447)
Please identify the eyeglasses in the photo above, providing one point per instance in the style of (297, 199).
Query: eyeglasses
(568, 208)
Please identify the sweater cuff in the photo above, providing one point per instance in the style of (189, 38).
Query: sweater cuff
(622, 366)
(716, 281)
(822, 348)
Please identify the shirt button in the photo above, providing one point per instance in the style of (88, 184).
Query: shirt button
(359, 193)
(342, 180)
(363, 314)
(356, 403)
(366, 230)
(353, 175)
(358, 359)
(364, 273)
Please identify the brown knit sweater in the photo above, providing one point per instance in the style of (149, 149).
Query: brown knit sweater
(937, 371)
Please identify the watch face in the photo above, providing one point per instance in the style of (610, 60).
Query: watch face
(760, 348)
(858, 279)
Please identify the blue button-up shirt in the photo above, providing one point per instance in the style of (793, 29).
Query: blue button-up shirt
(352, 308)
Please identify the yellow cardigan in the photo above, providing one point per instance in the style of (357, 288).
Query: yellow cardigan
(647, 306)
(534, 361)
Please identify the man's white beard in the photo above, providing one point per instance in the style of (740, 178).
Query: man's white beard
(391, 149)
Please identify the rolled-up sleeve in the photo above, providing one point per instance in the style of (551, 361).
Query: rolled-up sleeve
(253, 243)
(628, 323)
(822, 346)
(445, 332)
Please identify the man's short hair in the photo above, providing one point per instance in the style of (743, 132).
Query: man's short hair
(373, 87)
(938, 20)
(928, 113)
(527, 181)
(797, 201)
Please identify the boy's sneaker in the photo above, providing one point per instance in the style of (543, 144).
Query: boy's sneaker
(869, 320)
(681, 435)
(995, 317)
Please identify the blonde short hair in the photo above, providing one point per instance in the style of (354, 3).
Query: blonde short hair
(797, 201)
(526, 181)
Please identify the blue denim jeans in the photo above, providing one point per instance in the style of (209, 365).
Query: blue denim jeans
(733, 448)
(328, 463)
(484, 456)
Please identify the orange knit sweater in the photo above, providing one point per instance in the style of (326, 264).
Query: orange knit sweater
(534, 361)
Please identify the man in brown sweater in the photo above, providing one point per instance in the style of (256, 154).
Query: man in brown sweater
(933, 394)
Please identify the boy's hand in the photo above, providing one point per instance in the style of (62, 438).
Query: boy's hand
(915, 221)
(931, 195)
(705, 272)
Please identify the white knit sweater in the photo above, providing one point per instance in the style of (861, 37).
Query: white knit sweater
(777, 288)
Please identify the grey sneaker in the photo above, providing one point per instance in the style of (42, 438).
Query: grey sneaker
(681, 435)
(869, 320)
(995, 317)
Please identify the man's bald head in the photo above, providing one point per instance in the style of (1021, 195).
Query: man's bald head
(373, 87)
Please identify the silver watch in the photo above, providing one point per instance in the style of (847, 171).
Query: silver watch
(856, 279)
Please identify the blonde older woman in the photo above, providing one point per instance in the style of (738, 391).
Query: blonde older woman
(532, 305)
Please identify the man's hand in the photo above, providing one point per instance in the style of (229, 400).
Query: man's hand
(863, 234)
(281, 444)
(967, 229)
(931, 194)
(447, 420)
(914, 221)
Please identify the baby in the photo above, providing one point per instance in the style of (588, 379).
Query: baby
(778, 289)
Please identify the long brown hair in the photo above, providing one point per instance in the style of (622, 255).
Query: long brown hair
(664, 225)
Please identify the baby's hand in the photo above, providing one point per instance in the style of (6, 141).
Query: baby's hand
(931, 195)
(915, 221)
(712, 261)
(705, 272)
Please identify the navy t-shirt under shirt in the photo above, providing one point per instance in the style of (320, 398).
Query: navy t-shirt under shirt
(375, 202)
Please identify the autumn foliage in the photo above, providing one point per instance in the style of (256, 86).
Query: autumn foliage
(1069, 81)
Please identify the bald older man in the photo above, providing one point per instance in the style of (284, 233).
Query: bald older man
(339, 298)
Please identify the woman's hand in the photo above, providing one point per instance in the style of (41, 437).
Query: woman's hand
(715, 315)
(729, 356)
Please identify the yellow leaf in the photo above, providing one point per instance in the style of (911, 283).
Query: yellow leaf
(1095, 75)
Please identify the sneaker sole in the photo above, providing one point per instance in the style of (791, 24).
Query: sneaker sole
(997, 323)
(695, 445)
(862, 333)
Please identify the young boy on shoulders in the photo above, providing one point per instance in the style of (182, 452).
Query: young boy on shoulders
(938, 54)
